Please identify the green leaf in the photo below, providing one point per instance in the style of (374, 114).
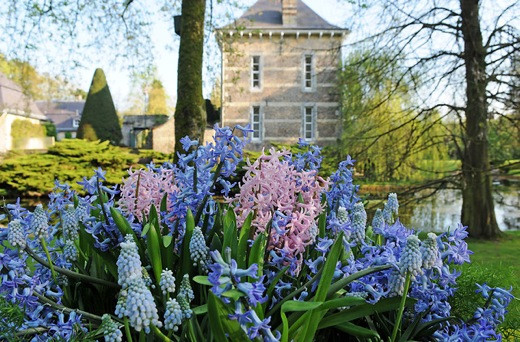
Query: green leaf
(214, 319)
(234, 294)
(221, 324)
(322, 222)
(242, 241)
(341, 302)
(203, 280)
(357, 331)
(167, 240)
(256, 256)
(313, 319)
(146, 228)
(154, 251)
(164, 203)
(384, 305)
(200, 310)
(294, 305)
(186, 258)
(230, 233)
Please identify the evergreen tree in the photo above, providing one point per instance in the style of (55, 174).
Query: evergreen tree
(99, 112)
(156, 99)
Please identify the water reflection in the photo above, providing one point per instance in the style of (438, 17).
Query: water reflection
(441, 211)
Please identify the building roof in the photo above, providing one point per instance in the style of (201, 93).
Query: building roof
(267, 14)
(62, 113)
(14, 101)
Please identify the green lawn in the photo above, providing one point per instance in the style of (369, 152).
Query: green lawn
(498, 264)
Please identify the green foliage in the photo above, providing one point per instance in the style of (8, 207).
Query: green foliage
(99, 113)
(156, 99)
(494, 263)
(34, 174)
(11, 322)
(378, 127)
(50, 129)
(503, 139)
(23, 129)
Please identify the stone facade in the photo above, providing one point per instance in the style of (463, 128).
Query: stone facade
(282, 80)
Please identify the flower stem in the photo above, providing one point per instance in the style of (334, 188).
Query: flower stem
(159, 334)
(127, 330)
(70, 273)
(51, 266)
(397, 324)
(55, 305)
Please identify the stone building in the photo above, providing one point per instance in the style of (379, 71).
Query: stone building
(280, 63)
(65, 115)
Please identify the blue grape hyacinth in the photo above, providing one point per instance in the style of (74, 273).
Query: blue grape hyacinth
(359, 221)
(70, 252)
(173, 315)
(40, 223)
(430, 251)
(411, 258)
(70, 223)
(184, 306)
(110, 330)
(378, 222)
(198, 249)
(128, 262)
(167, 282)
(391, 209)
(16, 234)
(396, 283)
(185, 289)
(140, 307)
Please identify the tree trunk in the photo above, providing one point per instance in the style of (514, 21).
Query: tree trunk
(190, 115)
(478, 211)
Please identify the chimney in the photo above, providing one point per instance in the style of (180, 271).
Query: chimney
(289, 12)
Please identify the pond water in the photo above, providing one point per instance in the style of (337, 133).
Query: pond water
(441, 211)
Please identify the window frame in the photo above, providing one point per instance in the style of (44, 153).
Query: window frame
(312, 72)
(314, 114)
(259, 73)
(260, 138)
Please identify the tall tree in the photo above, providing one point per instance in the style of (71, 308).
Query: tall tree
(190, 114)
(462, 55)
(99, 119)
(156, 103)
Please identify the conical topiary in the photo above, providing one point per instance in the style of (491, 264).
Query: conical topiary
(99, 113)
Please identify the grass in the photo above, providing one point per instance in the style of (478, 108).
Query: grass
(497, 264)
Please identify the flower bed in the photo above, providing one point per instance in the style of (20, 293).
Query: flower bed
(287, 256)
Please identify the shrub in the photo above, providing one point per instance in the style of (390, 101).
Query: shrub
(99, 119)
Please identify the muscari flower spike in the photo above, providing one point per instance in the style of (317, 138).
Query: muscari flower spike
(140, 307)
(173, 315)
(128, 262)
(198, 249)
(40, 223)
(184, 305)
(70, 223)
(81, 211)
(70, 252)
(146, 278)
(110, 330)
(391, 208)
(411, 258)
(378, 222)
(121, 303)
(167, 282)
(185, 289)
(359, 221)
(16, 235)
(396, 283)
(342, 216)
(430, 251)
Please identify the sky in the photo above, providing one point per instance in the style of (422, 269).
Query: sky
(166, 59)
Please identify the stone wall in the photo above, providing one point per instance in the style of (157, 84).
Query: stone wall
(163, 137)
(282, 95)
(6, 141)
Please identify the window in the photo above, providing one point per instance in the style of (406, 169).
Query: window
(256, 123)
(256, 76)
(75, 123)
(308, 72)
(308, 123)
